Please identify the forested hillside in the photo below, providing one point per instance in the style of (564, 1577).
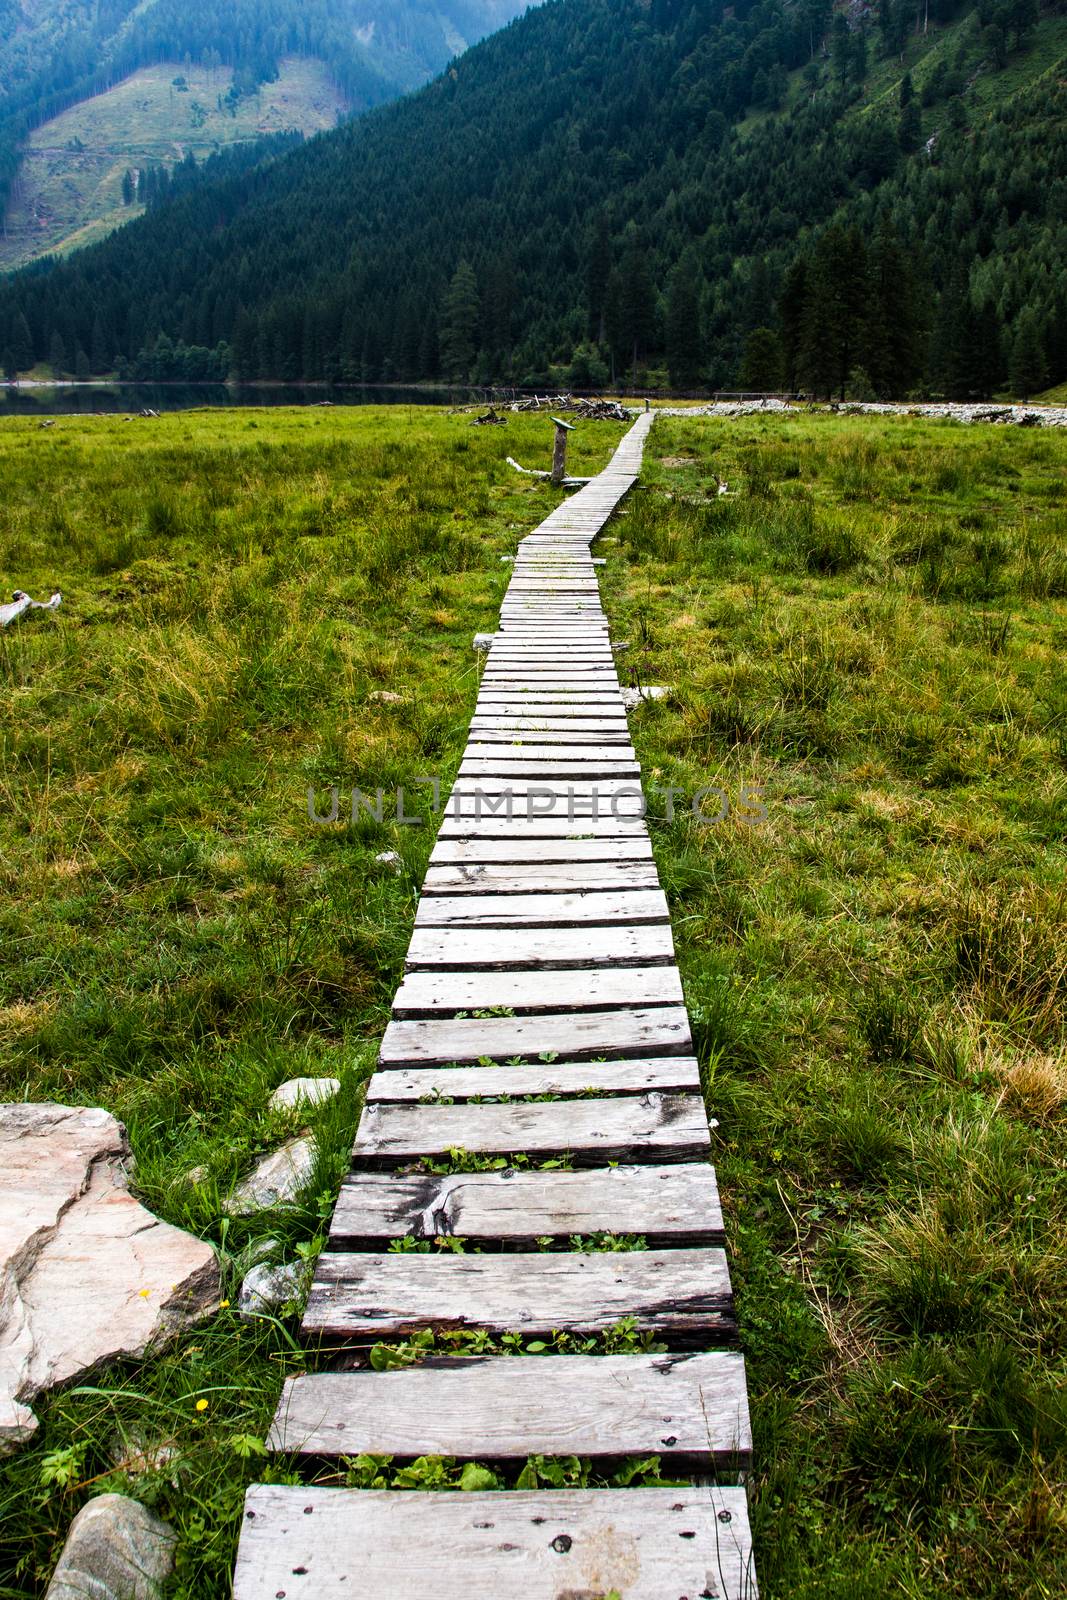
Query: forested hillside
(762, 193)
(55, 54)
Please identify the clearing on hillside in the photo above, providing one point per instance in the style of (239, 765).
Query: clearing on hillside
(69, 191)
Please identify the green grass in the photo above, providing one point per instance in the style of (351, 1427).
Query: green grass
(70, 181)
(240, 589)
(871, 630)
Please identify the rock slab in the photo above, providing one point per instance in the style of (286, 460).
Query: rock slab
(115, 1550)
(278, 1179)
(306, 1091)
(268, 1289)
(87, 1274)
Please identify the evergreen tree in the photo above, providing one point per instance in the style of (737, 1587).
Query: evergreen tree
(682, 330)
(791, 307)
(835, 311)
(20, 343)
(82, 370)
(597, 278)
(893, 351)
(100, 346)
(460, 316)
(637, 303)
(57, 354)
(1028, 374)
(910, 128)
(763, 362)
(127, 188)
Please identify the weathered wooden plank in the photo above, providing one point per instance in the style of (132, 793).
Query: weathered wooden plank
(648, 1128)
(679, 1295)
(468, 826)
(522, 786)
(581, 946)
(636, 846)
(591, 767)
(558, 726)
(541, 878)
(567, 1079)
(692, 1410)
(517, 738)
(642, 1544)
(581, 1035)
(542, 910)
(431, 994)
(583, 756)
(663, 1205)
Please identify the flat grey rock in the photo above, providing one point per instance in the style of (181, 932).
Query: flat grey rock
(278, 1180)
(648, 691)
(483, 642)
(87, 1274)
(268, 1289)
(304, 1092)
(116, 1550)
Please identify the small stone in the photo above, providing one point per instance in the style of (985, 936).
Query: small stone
(483, 642)
(278, 1180)
(623, 644)
(304, 1092)
(388, 858)
(116, 1550)
(648, 691)
(267, 1289)
(196, 1176)
(385, 697)
(137, 1454)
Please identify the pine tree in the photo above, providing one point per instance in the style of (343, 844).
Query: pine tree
(127, 188)
(637, 303)
(597, 278)
(894, 319)
(791, 306)
(682, 329)
(57, 354)
(100, 346)
(21, 343)
(910, 128)
(1028, 373)
(460, 316)
(763, 362)
(835, 311)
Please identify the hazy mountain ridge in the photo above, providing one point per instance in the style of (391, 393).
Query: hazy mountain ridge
(55, 54)
(619, 180)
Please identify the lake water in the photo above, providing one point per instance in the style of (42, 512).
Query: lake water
(89, 399)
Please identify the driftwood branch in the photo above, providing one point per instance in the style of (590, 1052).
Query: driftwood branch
(21, 602)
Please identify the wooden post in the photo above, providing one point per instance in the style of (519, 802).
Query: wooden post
(559, 452)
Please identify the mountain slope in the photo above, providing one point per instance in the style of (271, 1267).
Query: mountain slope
(68, 66)
(642, 173)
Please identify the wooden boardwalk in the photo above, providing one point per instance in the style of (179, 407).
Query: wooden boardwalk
(541, 1016)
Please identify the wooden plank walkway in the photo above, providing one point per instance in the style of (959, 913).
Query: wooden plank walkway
(537, 1098)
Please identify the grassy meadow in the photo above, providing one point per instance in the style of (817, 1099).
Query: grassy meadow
(870, 628)
(254, 603)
